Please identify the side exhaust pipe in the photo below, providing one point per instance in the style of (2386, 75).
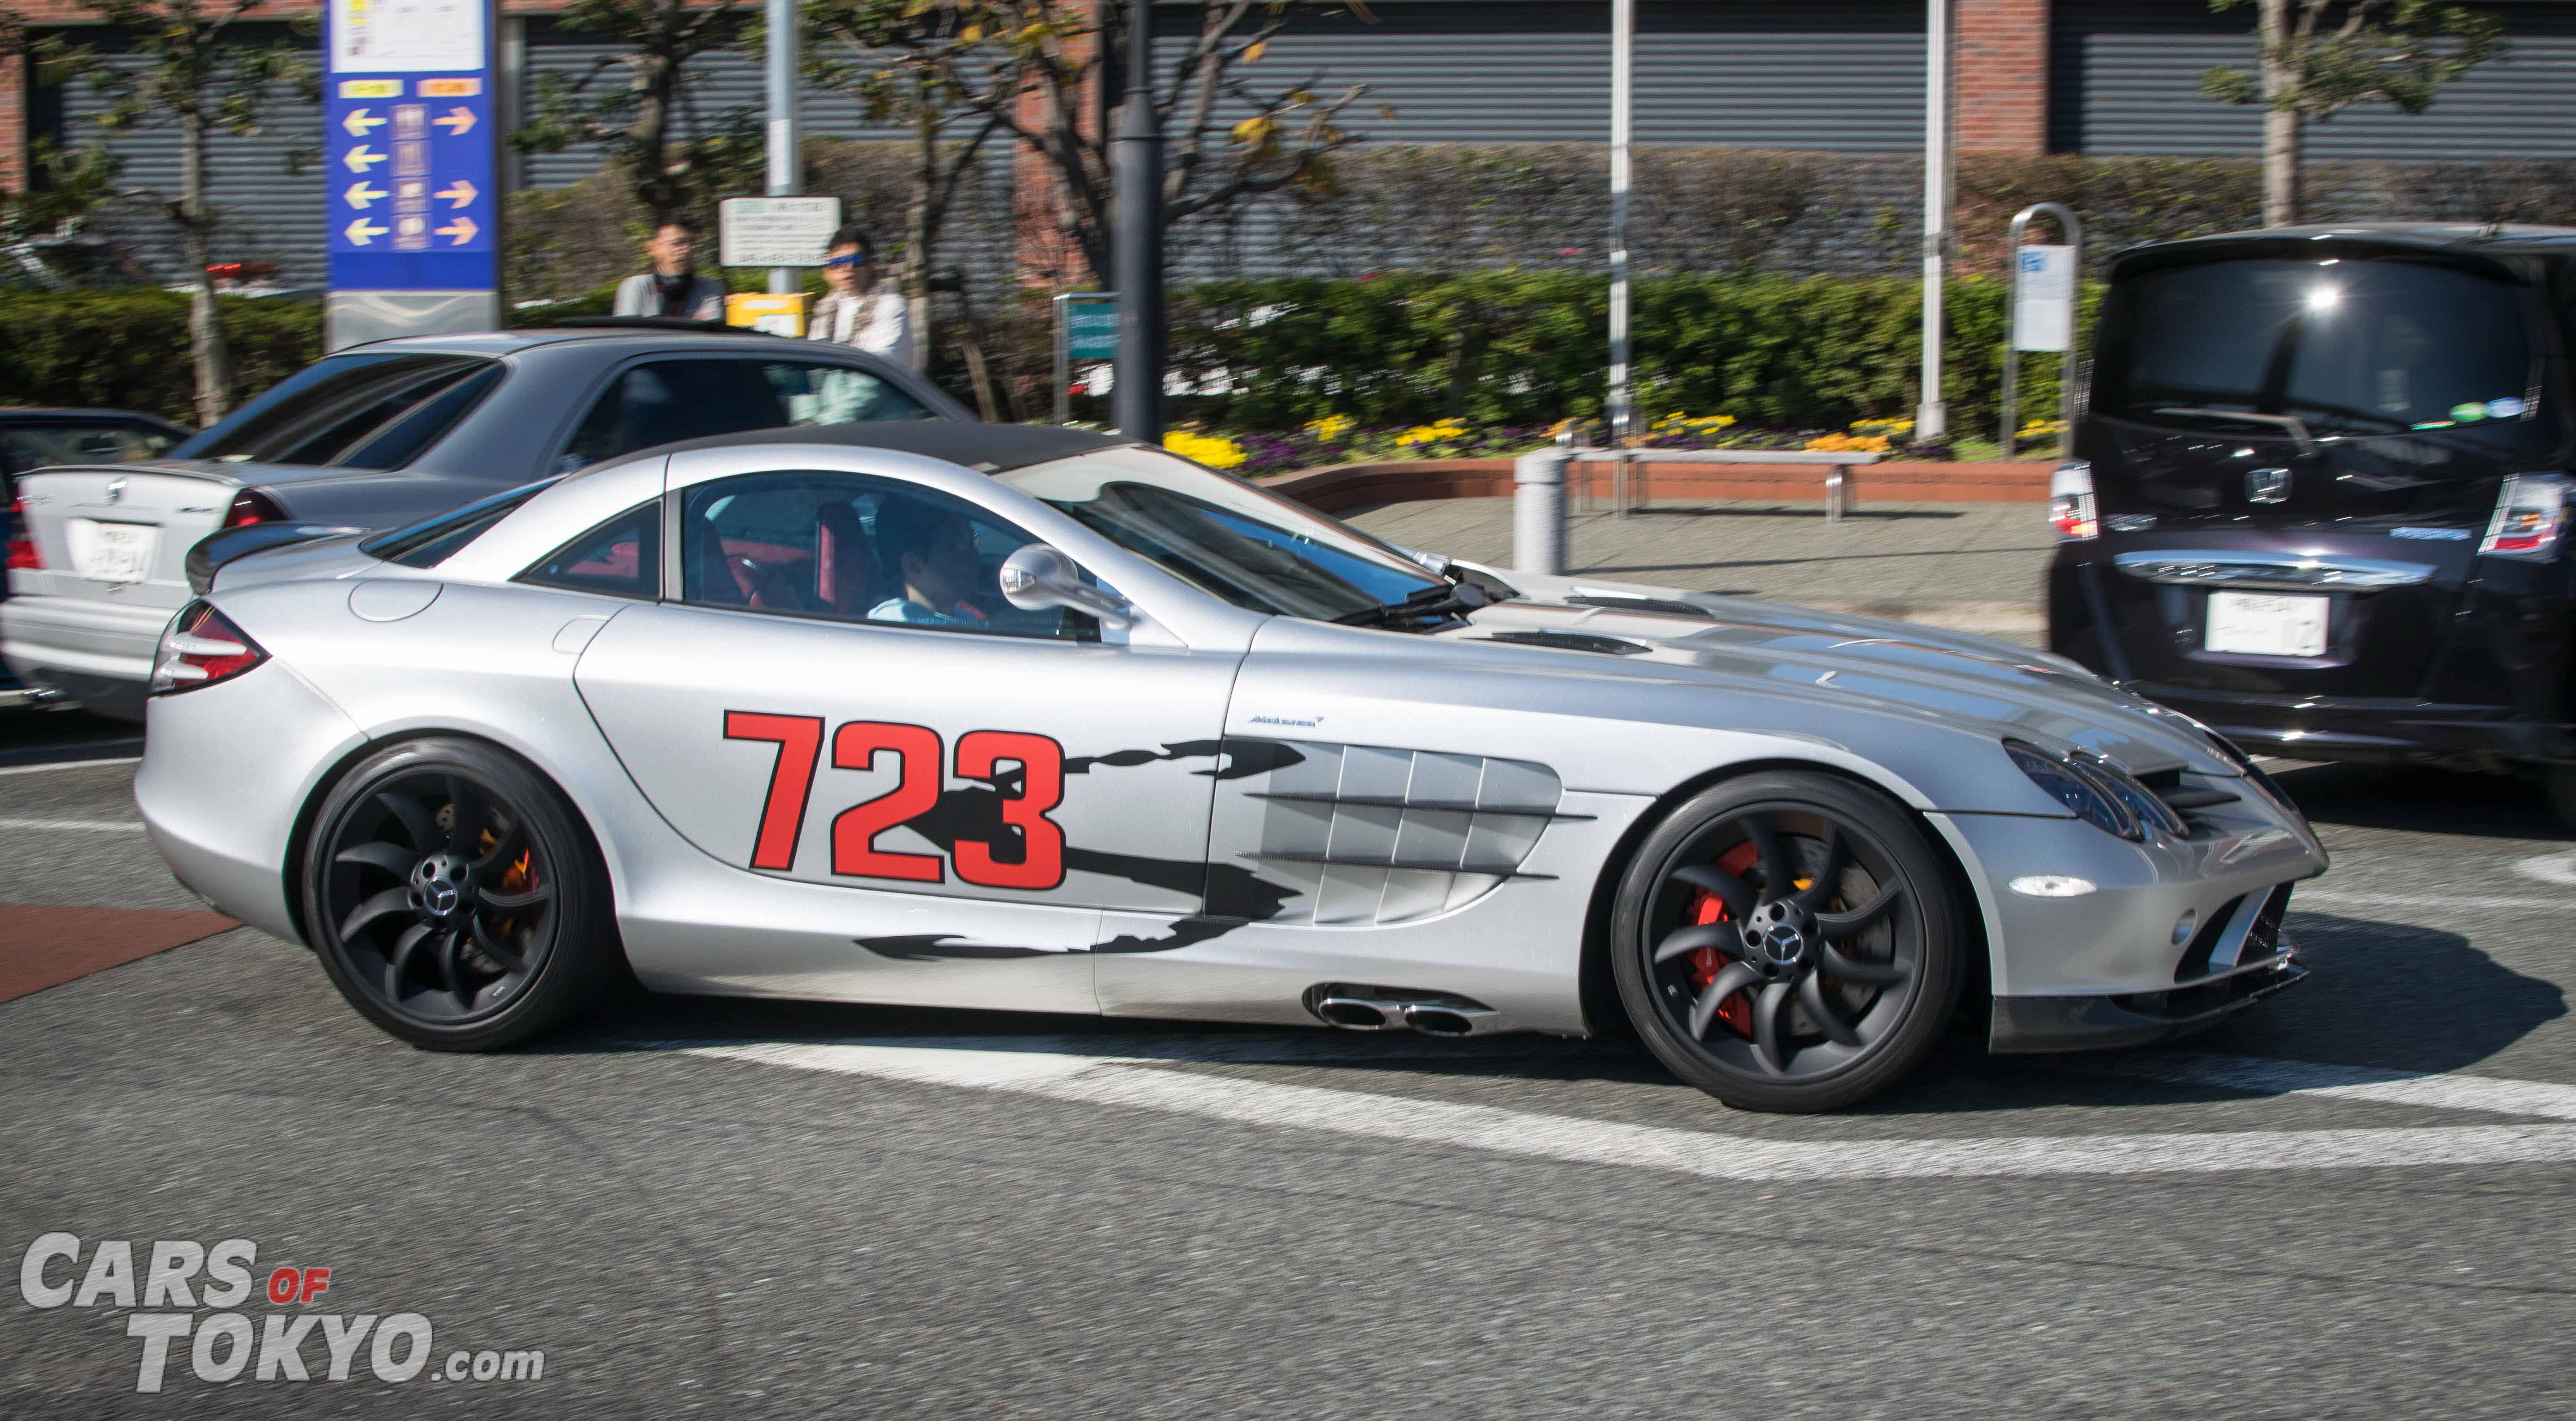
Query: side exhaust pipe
(1360, 1008)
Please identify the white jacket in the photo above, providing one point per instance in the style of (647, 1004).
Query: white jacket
(878, 322)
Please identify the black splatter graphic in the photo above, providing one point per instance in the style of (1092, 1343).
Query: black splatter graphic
(943, 947)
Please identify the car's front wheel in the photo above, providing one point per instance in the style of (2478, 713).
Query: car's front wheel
(455, 897)
(1789, 941)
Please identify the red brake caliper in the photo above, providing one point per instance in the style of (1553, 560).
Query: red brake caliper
(1737, 1010)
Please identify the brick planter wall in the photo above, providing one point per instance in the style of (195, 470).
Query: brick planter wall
(1349, 486)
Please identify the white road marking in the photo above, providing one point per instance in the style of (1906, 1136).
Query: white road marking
(2549, 868)
(1103, 1080)
(67, 765)
(2308, 1079)
(101, 826)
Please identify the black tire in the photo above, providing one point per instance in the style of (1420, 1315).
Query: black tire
(1872, 934)
(456, 898)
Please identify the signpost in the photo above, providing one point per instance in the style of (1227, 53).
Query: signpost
(1086, 328)
(776, 231)
(2042, 296)
(410, 178)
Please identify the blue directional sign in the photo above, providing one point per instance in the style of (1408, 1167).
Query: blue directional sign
(410, 141)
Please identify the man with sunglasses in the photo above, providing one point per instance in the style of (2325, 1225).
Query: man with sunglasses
(856, 311)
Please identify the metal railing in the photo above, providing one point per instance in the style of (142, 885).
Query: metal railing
(1539, 479)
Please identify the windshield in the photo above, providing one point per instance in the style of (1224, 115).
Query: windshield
(1252, 548)
(354, 411)
(2342, 346)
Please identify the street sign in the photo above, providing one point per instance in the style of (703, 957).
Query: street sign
(2043, 316)
(1086, 328)
(776, 315)
(776, 231)
(410, 180)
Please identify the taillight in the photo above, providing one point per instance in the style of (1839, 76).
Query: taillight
(2530, 515)
(251, 506)
(2070, 501)
(201, 648)
(22, 539)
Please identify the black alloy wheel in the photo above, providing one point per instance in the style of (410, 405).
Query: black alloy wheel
(1789, 942)
(455, 898)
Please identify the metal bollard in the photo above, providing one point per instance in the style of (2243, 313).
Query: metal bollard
(1538, 511)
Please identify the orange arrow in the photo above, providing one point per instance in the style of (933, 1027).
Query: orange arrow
(457, 120)
(462, 229)
(461, 193)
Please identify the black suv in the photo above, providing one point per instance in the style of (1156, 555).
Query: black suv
(2321, 489)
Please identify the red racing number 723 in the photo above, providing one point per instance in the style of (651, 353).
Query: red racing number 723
(1038, 864)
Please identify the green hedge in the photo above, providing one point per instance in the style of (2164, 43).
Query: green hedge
(1500, 349)
(129, 349)
(1522, 348)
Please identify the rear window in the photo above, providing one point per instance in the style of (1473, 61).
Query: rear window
(352, 411)
(432, 541)
(33, 446)
(2349, 346)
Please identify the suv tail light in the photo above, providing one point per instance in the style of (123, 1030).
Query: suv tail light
(22, 539)
(200, 648)
(2530, 515)
(2070, 501)
(251, 506)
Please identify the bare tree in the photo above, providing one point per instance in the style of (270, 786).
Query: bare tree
(673, 159)
(2320, 57)
(190, 71)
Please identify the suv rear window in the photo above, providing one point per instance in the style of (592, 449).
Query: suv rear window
(2351, 346)
(352, 411)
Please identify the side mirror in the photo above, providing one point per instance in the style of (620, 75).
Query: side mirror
(1037, 577)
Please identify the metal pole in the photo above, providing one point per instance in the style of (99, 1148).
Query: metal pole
(1063, 364)
(1623, 57)
(1932, 415)
(1136, 172)
(782, 41)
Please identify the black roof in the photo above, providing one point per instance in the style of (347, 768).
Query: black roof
(985, 448)
(2469, 244)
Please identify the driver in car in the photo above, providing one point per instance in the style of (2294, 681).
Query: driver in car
(930, 553)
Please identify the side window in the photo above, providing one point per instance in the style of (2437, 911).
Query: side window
(837, 394)
(621, 557)
(857, 549)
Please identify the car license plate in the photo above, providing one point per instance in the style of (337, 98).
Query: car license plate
(2261, 624)
(111, 552)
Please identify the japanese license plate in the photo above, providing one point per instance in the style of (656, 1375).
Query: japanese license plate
(111, 552)
(2263, 624)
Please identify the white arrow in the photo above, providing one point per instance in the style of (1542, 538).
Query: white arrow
(457, 120)
(357, 123)
(362, 230)
(358, 159)
(359, 194)
(462, 229)
(461, 193)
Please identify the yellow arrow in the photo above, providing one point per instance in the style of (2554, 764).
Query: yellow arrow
(456, 120)
(359, 194)
(461, 193)
(357, 123)
(362, 231)
(358, 159)
(462, 229)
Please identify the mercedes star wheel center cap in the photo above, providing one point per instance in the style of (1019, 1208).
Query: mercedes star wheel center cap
(438, 886)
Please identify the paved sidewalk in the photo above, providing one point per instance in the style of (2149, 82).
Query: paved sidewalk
(1974, 566)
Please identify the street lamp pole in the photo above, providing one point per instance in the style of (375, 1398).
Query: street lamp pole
(1136, 171)
(783, 165)
(1932, 414)
(1622, 410)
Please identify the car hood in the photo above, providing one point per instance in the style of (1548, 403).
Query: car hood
(1849, 662)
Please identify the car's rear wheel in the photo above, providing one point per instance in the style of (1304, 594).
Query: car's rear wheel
(1789, 941)
(455, 897)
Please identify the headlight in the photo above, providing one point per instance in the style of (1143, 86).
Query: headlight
(2099, 792)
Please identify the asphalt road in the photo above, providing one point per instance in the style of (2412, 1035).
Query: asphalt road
(2352, 1202)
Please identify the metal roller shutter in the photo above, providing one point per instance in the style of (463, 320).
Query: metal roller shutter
(2125, 78)
(267, 213)
(1836, 74)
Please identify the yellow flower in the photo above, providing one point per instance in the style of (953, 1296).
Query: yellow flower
(1888, 428)
(1849, 444)
(1331, 428)
(1212, 450)
(1447, 431)
(1701, 426)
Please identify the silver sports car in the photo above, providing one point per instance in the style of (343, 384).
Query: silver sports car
(1017, 717)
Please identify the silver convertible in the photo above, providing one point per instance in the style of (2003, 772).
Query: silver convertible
(1031, 718)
